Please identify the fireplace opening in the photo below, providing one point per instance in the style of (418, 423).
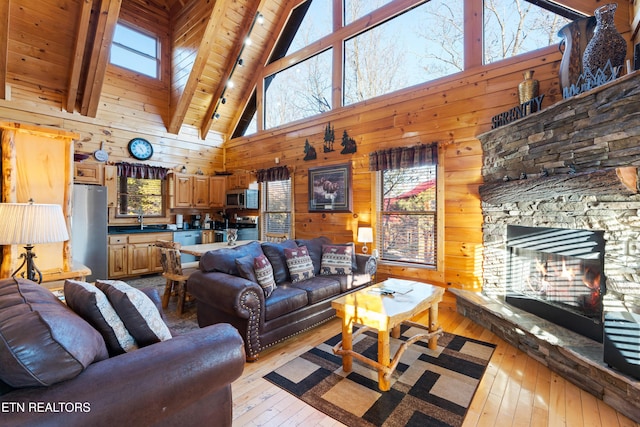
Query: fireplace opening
(558, 275)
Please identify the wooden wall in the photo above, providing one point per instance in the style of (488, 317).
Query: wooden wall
(451, 111)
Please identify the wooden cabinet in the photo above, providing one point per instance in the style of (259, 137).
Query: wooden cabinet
(88, 173)
(135, 254)
(208, 236)
(240, 180)
(217, 191)
(111, 182)
(198, 191)
(183, 190)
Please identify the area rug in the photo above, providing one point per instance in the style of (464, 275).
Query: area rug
(428, 388)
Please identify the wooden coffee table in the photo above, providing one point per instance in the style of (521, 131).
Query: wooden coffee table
(373, 308)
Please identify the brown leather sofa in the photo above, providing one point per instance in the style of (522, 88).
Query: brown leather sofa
(185, 380)
(223, 296)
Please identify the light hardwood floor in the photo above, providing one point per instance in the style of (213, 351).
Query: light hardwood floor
(516, 390)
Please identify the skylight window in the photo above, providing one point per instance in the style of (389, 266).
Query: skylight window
(135, 51)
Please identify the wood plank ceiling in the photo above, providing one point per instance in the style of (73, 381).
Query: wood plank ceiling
(60, 50)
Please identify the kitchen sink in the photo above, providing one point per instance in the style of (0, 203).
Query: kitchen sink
(131, 229)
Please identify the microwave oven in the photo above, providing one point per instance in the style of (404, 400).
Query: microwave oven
(242, 199)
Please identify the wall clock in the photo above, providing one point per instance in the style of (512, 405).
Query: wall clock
(140, 149)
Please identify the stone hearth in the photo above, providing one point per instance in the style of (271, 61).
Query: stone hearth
(574, 357)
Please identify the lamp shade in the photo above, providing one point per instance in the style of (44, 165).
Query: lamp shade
(30, 223)
(365, 234)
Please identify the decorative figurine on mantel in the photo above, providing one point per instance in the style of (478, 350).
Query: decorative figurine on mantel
(528, 88)
(606, 44)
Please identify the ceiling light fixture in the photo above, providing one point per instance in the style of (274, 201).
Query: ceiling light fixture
(259, 18)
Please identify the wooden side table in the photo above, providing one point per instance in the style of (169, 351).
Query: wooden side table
(54, 279)
(375, 308)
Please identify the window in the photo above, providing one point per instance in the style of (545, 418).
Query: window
(141, 196)
(422, 44)
(315, 24)
(135, 50)
(276, 207)
(512, 27)
(298, 92)
(356, 9)
(407, 225)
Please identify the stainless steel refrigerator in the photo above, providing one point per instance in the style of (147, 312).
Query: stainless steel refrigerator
(89, 223)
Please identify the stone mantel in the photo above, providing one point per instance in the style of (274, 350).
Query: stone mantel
(594, 131)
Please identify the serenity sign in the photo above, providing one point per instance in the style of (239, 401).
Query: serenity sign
(517, 112)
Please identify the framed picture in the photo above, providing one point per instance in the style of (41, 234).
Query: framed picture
(330, 188)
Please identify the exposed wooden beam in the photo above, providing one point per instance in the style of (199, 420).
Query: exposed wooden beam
(229, 66)
(4, 46)
(254, 69)
(179, 107)
(99, 56)
(75, 68)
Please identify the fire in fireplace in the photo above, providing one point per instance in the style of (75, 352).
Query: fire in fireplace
(558, 274)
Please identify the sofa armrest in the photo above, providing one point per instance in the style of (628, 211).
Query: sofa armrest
(227, 293)
(154, 385)
(367, 264)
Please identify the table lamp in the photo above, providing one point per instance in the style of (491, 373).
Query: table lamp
(30, 224)
(365, 235)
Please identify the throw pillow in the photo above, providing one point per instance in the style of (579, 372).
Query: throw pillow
(42, 341)
(92, 305)
(264, 274)
(137, 311)
(299, 263)
(336, 259)
(245, 266)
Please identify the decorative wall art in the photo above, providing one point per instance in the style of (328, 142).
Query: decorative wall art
(330, 188)
(348, 143)
(309, 151)
(329, 138)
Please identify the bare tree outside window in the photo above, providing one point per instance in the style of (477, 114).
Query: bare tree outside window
(513, 27)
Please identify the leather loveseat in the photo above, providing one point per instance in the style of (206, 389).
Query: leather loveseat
(225, 291)
(56, 371)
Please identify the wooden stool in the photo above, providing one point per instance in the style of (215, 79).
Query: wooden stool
(173, 273)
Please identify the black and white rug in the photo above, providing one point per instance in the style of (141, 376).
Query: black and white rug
(428, 388)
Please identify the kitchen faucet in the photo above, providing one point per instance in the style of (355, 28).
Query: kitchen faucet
(141, 220)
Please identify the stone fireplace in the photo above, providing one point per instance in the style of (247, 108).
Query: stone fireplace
(569, 169)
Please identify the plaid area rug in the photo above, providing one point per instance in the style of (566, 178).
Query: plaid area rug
(428, 388)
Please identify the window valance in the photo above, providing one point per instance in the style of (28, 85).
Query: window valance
(141, 171)
(404, 157)
(280, 173)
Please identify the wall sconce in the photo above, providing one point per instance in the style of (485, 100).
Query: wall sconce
(30, 224)
(365, 235)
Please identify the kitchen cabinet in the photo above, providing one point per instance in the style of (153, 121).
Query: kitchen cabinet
(198, 191)
(135, 254)
(240, 180)
(217, 191)
(183, 190)
(87, 173)
(111, 182)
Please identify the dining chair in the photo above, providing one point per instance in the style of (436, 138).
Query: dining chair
(175, 273)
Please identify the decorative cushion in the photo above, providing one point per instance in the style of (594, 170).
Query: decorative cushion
(299, 263)
(93, 306)
(42, 341)
(245, 267)
(275, 253)
(138, 313)
(337, 259)
(264, 274)
(314, 246)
